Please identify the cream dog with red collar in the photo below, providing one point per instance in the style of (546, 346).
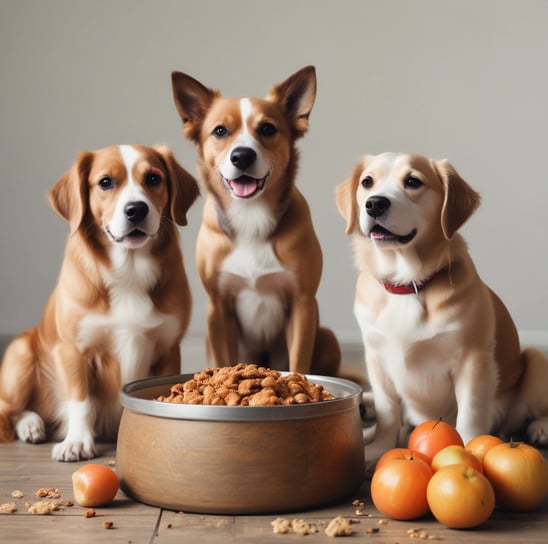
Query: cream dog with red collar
(121, 305)
(257, 253)
(438, 342)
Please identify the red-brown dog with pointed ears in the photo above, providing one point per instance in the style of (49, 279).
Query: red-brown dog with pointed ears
(257, 253)
(121, 305)
(438, 342)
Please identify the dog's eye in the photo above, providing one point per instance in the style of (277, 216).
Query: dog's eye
(412, 182)
(106, 183)
(220, 131)
(367, 182)
(266, 129)
(152, 179)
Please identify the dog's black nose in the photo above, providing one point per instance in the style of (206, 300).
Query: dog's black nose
(376, 205)
(136, 211)
(243, 157)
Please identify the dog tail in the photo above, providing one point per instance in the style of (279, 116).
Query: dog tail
(528, 412)
(16, 381)
(534, 389)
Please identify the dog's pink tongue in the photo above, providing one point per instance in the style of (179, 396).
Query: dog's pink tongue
(244, 189)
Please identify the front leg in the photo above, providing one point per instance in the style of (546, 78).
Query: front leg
(222, 335)
(475, 391)
(387, 412)
(169, 363)
(213, 246)
(301, 330)
(77, 410)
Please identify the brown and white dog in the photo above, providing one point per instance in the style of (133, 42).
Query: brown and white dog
(121, 305)
(257, 253)
(438, 342)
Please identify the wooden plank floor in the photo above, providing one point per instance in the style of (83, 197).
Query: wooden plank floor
(27, 468)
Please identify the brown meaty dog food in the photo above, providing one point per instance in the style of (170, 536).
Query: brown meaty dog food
(246, 385)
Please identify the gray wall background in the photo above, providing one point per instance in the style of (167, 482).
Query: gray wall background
(464, 80)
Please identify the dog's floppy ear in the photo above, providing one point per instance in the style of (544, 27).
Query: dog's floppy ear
(296, 96)
(192, 100)
(69, 195)
(345, 197)
(183, 188)
(460, 200)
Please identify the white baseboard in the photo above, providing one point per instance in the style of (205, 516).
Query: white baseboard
(194, 358)
(194, 344)
(527, 338)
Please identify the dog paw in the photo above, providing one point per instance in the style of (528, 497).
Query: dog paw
(70, 451)
(537, 432)
(30, 427)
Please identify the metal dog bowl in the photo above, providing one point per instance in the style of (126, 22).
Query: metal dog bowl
(239, 459)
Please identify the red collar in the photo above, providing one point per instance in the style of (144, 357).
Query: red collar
(414, 287)
(409, 289)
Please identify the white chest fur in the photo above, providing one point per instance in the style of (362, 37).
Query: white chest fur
(132, 326)
(411, 355)
(261, 311)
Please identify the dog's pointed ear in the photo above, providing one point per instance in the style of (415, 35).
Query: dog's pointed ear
(192, 100)
(345, 197)
(296, 97)
(460, 199)
(183, 187)
(69, 196)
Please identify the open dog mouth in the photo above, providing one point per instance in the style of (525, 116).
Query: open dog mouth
(246, 186)
(133, 238)
(136, 234)
(380, 234)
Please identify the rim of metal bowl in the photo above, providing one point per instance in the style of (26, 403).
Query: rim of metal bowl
(134, 397)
